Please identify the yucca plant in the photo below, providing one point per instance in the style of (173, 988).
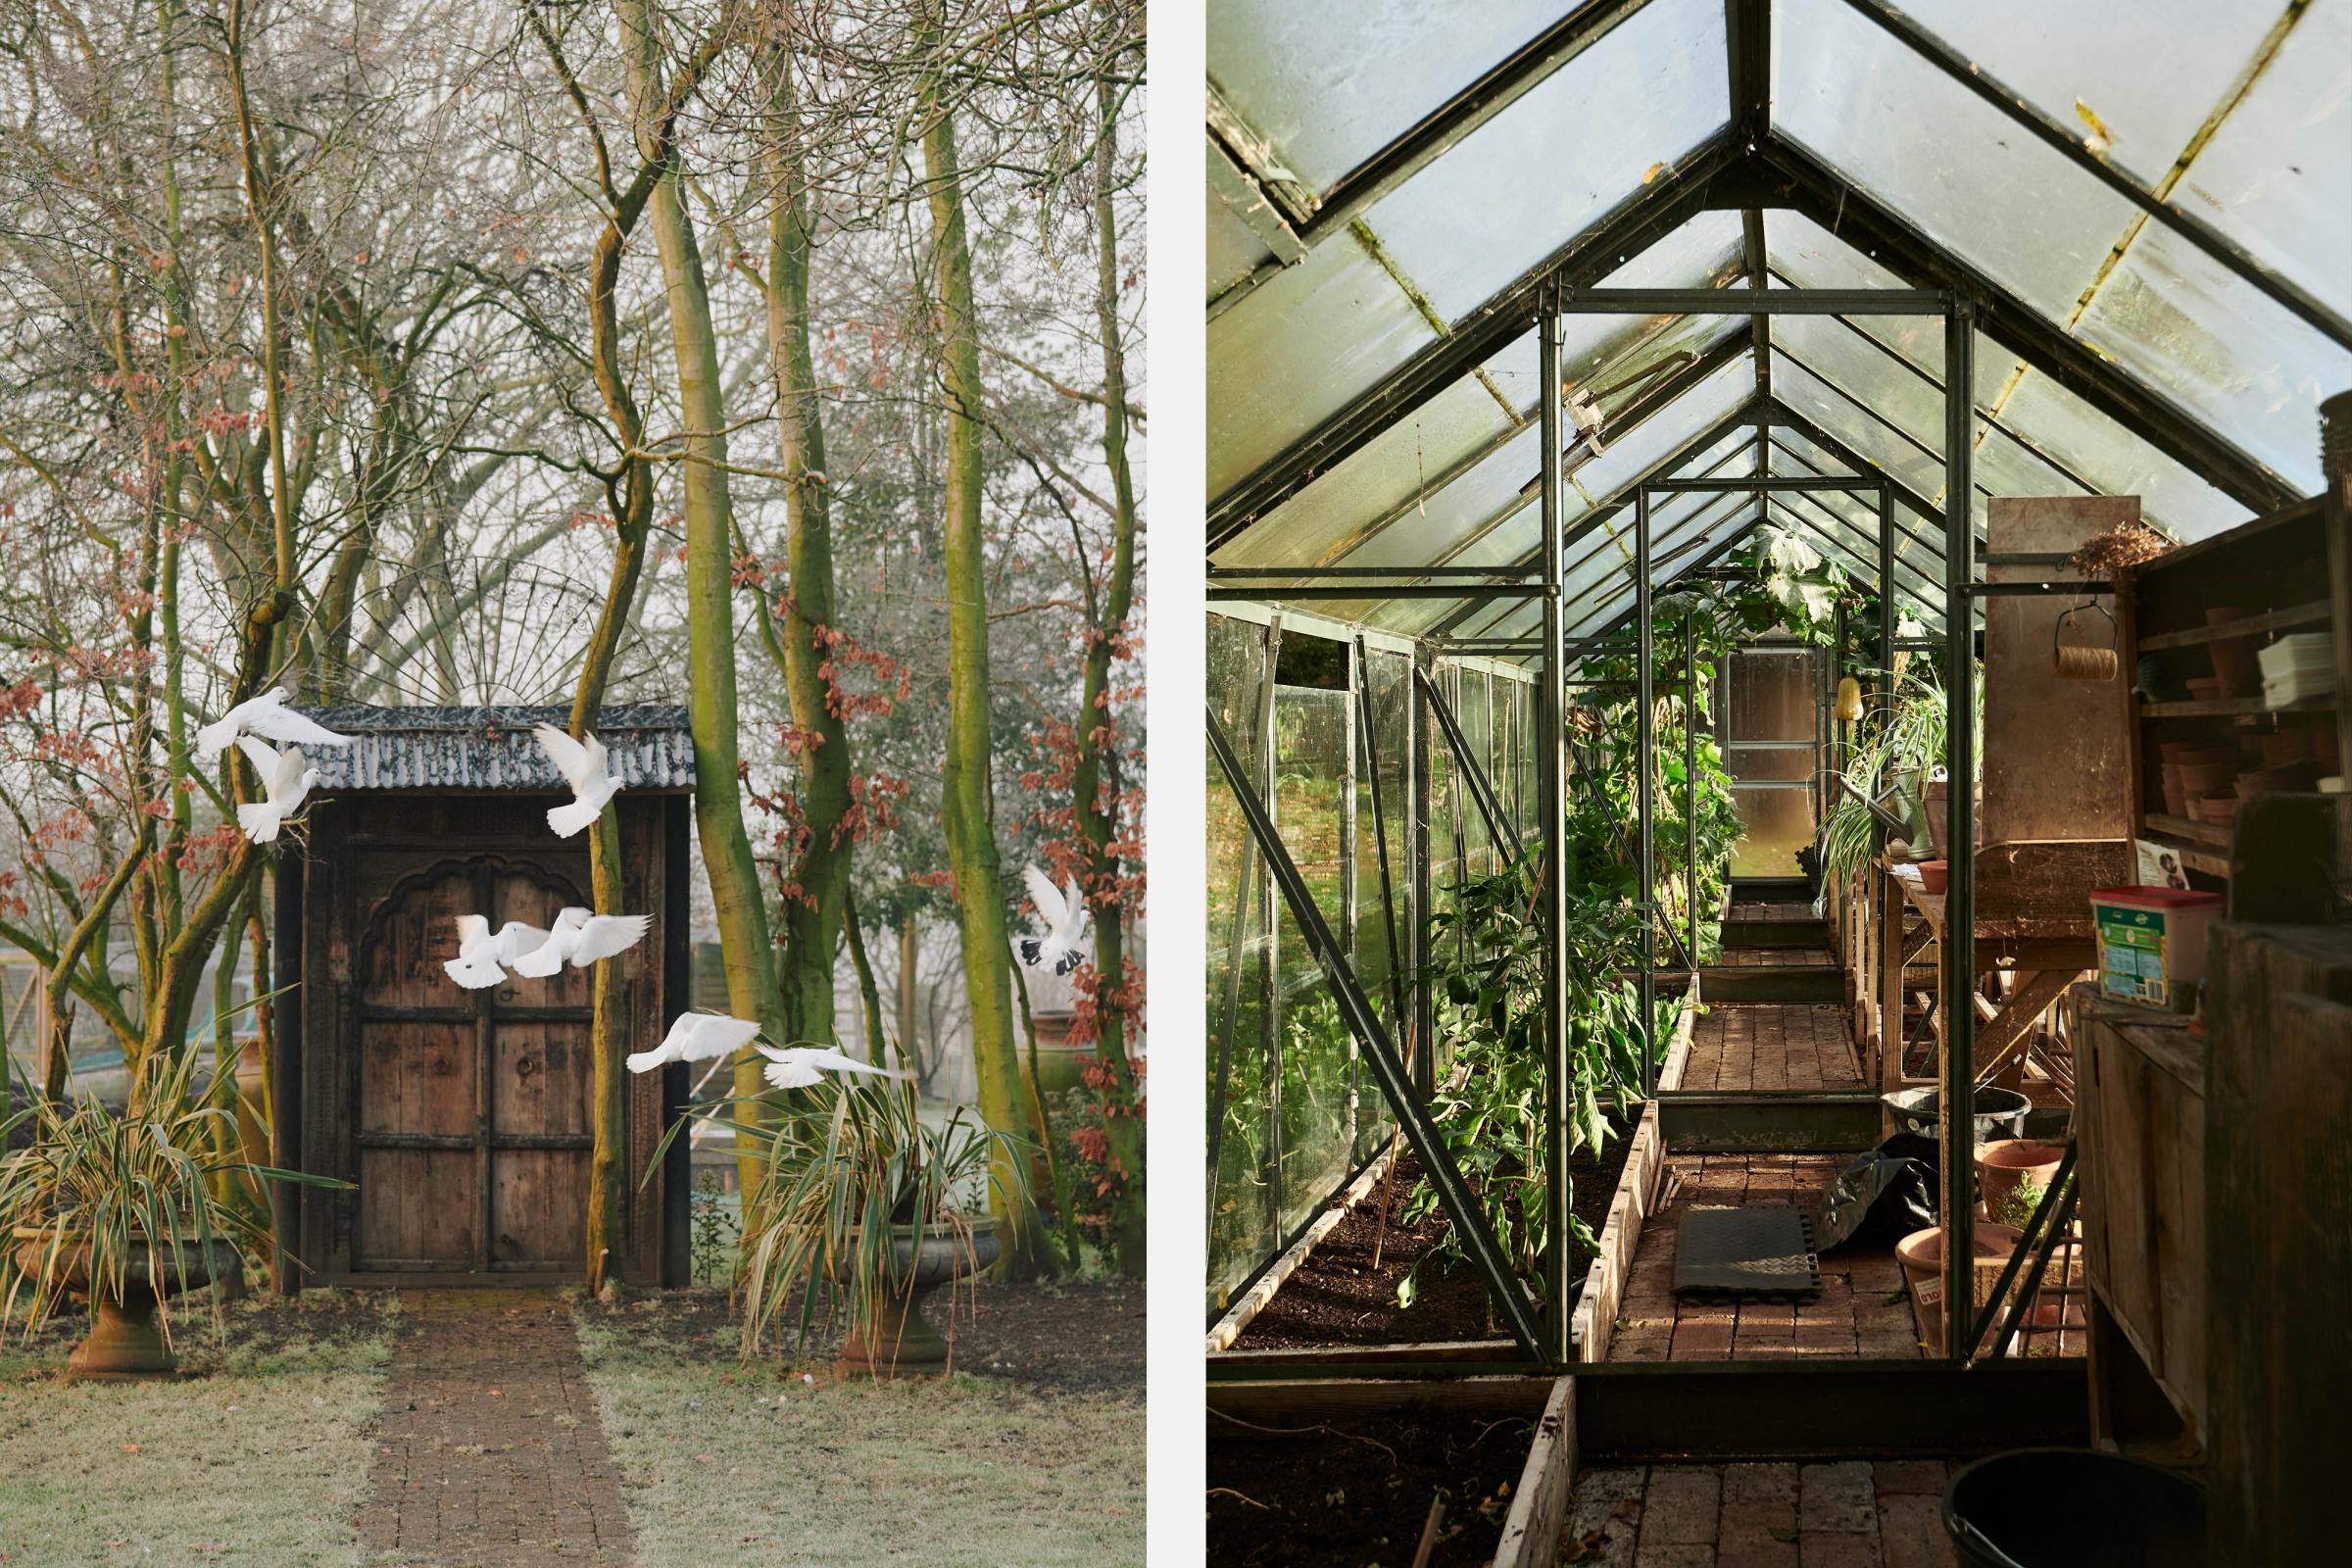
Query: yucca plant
(112, 1203)
(842, 1182)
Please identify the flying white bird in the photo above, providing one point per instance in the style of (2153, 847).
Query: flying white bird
(481, 955)
(803, 1066)
(265, 715)
(583, 764)
(1064, 915)
(582, 935)
(696, 1037)
(287, 778)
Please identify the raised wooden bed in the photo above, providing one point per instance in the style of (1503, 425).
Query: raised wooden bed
(1637, 1199)
(1531, 1526)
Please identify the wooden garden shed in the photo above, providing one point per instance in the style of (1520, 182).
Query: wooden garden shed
(462, 1117)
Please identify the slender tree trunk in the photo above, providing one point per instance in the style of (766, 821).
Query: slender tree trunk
(1093, 782)
(817, 883)
(743, 930)
(967, 807)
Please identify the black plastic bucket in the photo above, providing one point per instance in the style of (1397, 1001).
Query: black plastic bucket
(2000, 1112)
(2073, 1509)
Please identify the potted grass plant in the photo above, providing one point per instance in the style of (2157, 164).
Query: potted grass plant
(865, 1207)
(125, 1210)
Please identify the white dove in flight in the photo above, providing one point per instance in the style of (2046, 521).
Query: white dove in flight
(583, 764)
(483, 959)
(802, 1065)
(583, 936)
(1064, 913)
(696, 1037)
(287, 778)
(267, 716)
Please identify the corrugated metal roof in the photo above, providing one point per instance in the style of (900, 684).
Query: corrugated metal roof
(647, 747)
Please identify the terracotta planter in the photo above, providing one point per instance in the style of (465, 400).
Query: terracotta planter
(1933, 875)
(1922, 1255)
(892, 1336)
(126, 1342)
(2237, 670)
(2009, 1163)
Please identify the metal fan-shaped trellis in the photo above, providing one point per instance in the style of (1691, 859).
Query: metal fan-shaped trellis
(481, 631)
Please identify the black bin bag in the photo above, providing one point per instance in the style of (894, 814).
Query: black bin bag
(1880, 1199)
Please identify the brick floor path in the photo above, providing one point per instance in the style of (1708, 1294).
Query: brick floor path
(1771, 1046)
(489, 1453)
(1855, 1514)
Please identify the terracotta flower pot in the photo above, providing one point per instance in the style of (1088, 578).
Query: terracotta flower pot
(126, 1342)
(2008, 1164)
(1933, 875)
(892, 1336)
(2236, 670)
(1922, 1255)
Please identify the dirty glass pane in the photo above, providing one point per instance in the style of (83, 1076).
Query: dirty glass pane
(1388, 688)
(1438, 525)
(1319, 1053)
(1589, 135)
(1405, 467)
(2148, 74)
(1842, 417)
(2276, 176)
(1233, 250)
(2230, 354)
(1774, 824)
(1474, 712)
(2087, 442)
(1733, 383)
(1298, 350)
(1936, 153)
(1330, 82)
(1242, 1233)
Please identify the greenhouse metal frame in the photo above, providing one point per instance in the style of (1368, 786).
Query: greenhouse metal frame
(1358, 350)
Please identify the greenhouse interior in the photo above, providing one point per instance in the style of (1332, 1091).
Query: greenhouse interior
(1656, 451)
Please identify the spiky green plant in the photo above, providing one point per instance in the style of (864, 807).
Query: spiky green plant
(835, 1178)
(150, 1178)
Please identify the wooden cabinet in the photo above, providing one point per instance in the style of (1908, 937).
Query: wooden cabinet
(2139, 1125)
(2187, 617)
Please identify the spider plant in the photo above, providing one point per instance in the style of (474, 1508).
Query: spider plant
(118, 1199)
(1899, 742)
(847, 1181)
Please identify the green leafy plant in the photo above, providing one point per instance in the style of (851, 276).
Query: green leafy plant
(711, 1229)
(1897, 745)
(1489, 1105)
(150, 1181)
(841, 1174)
(2017, 1210)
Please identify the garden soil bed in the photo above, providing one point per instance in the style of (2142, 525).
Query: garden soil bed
(1338, 1297)
(1358, 1490)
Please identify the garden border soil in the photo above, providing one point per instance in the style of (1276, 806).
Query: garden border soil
(1633, 1193)
(1520, 1533)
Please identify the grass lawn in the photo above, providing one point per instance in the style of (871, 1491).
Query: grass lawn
(1036, 1463)
(257, 1455)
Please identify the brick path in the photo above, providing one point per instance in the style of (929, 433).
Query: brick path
(1862, 1310)
(489, 1453)
(1772, 1046)
(1855, 1514)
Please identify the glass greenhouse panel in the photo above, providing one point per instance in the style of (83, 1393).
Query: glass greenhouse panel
(1597, 130)
(1658, 438)
(2277, 174)
(1933, 151)
(1242, 1231)
(1884, 449)
(1437, 526)
(1299, 349)
(2084, 440)
(1394, 469)
(1331, 82)
(1234, 252)
(2230, 354)
(2148, 85)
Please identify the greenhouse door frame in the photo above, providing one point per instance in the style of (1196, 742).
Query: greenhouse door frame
(1959, 315)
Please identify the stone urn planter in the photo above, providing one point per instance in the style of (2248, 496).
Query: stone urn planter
(125, 1342)
(890, 1335)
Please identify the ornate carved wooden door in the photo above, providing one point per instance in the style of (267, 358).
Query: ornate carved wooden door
(472, 1134)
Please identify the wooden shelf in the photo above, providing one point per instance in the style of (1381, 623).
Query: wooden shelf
(2310, 614)
(2188, 830)
(2226, 707)
(2201, 846)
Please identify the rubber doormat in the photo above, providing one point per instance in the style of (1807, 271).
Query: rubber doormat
(1746, 1255)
